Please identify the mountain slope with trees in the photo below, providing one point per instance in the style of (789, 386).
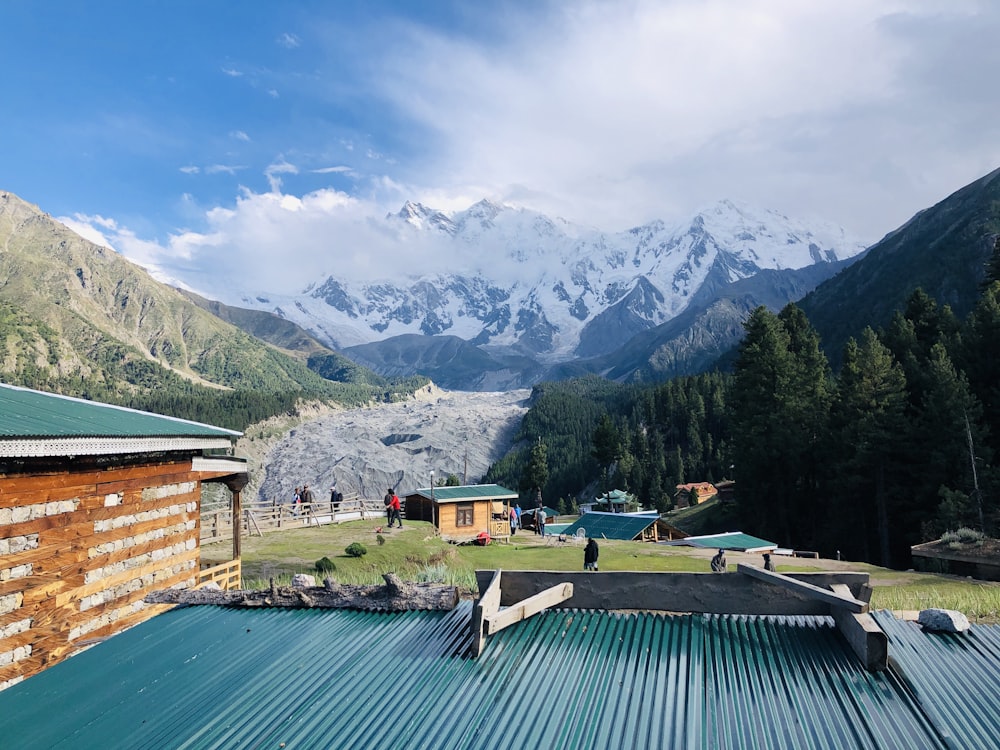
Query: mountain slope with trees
(83, 321)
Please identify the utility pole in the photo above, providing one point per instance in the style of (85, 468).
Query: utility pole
(975, 475)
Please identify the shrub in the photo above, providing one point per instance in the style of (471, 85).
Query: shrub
(325, 565)
(356, 549)
(380, 539)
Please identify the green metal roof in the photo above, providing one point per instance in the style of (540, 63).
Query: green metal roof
(733, 540)
(611, 525)
(33, 423)
(208, 677)
(468, 492)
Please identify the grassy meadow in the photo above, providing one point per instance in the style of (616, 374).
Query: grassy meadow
(416, 553)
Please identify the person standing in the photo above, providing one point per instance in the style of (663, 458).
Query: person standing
(387, 500)
(396, 507)
(512, 517)
(540, 521)
(768, 562)
(590, 553)
(719, 562)
(307, 495)
(517, 510)
(297, 500)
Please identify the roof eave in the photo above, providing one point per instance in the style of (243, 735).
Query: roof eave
(107, 446)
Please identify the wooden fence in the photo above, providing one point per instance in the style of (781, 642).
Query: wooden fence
(228, 575)
(217, 525)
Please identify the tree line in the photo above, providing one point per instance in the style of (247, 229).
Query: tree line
(895, 448)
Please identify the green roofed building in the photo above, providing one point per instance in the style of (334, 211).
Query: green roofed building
(464, 513)
(734, 541)
(98, 504)
(634, 527)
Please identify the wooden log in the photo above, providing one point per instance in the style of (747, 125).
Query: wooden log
(395, 596)
(530, 606)
(847, 601)
(863, 634)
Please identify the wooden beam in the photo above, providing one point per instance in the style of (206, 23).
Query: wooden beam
(863, 634)
(528, 607)
(673, 592)
(487, 606)
(847, 602)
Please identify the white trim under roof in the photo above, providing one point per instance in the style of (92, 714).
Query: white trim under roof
(107, 446)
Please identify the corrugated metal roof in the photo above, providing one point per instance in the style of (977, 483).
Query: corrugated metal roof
(30, 418)
(206, 677)
(610, 525)
(955, 676)
(733, 540)
(468, 492)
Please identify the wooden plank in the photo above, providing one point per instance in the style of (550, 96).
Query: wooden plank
(863, 634)
(487, 606)
(709, 593)
(825, 595)
(530, 606)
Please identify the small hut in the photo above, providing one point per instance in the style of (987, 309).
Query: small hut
(462, 514)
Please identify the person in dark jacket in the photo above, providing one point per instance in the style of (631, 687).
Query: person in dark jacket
(590, 553)
(768, 562)
(719, 562)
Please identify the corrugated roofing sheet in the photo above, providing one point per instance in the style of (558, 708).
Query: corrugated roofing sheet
(25, 413)
(206, 677)
(610, 525)
(955, 676)
(469, 492)
(733, 540)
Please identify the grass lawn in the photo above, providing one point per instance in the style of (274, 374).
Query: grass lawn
(416, 553)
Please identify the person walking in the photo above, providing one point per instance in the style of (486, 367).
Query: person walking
(590, 553)
(387, 501)
(396, 507)
(512, 517)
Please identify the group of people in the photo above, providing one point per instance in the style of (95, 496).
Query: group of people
(392, 508)
(301, 495)
(719, 562)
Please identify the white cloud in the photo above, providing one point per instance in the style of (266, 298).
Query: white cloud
(223, 169)
(239, 135)
(614, 113)
(333, 170)
(232, 72)
(191, 169)
(291, 41)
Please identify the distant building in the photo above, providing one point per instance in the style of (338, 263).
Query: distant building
(684, 493)
(616, 501)
(463, 513)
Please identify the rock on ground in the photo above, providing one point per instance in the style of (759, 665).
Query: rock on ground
(369, 449)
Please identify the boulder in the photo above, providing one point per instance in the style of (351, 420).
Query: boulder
(303, 581)
(943, 620)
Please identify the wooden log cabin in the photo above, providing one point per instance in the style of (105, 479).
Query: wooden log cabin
(98, 505)
(461, 514)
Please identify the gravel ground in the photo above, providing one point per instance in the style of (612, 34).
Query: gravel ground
(397, 445)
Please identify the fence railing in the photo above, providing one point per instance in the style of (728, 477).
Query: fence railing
(228, 575)
(217, 525)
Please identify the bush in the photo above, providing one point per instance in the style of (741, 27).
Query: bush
(380, 539)
(356, 549)
(325, 565)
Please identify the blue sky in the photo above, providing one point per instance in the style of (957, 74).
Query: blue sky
(200, 137)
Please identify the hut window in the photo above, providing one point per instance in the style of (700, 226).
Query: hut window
(463, 515)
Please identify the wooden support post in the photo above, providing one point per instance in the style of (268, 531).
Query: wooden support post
(863, 634)
(487, 606)
(528, 607)
(236, 526)
(847, 601)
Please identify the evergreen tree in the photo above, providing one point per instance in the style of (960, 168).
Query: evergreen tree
(606, 446)
(866, 422)
(536, 471)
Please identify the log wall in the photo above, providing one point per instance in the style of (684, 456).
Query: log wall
(80, 549)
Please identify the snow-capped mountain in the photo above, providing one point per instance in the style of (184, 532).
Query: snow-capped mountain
(528, 284)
